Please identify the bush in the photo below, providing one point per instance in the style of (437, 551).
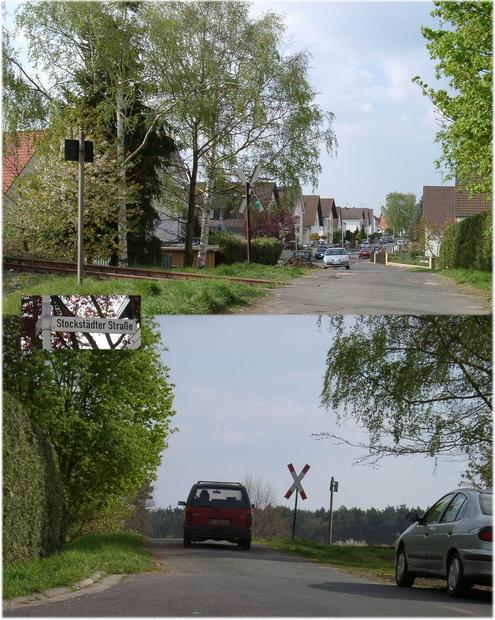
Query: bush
(266, 250)
(468, 244)
(232, 249)
(32, 491)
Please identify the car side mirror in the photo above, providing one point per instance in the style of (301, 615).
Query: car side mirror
(181, 503)
(413, 517)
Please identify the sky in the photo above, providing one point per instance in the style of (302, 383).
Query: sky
(247, 402)
(364, 56)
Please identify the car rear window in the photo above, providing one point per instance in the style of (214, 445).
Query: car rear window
(335, 252)
(219, 497)
(486, 504)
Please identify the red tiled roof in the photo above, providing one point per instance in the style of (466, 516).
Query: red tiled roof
(17, 155)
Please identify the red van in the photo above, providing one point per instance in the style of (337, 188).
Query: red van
(218, 511)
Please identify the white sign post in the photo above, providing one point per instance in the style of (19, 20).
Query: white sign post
(298, 488)
(248, 185)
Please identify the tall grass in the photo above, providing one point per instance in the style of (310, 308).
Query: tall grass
(83, 557)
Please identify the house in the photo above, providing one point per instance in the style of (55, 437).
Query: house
(313, 219)
(352, 218)
(444, 205)
(295, 202)
(329, 215)
(18, 160)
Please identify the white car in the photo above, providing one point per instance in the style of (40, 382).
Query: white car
(336, 257)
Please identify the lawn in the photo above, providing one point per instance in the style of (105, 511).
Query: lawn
(81, 558)
(482, 280)
(360, 559)
(158, 297)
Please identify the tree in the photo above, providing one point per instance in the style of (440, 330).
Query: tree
(91, 55)
(463, 48)
(107, 417)
(267, 521)
(251, 105)
(401, 212)
(422, 384)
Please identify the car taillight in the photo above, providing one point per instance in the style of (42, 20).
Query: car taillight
(188, 516)
(485, 533)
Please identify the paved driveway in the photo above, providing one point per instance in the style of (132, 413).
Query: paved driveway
(371, 289)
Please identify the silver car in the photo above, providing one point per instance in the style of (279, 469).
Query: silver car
(452, 541)
(336, 257)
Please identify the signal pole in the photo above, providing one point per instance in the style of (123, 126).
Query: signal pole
(334, 486)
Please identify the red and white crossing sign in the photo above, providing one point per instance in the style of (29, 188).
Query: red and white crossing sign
(297, 481)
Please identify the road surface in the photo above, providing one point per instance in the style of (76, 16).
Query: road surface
(221, 580)
(371, 289)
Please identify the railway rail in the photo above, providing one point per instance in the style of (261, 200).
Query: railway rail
(107, 271)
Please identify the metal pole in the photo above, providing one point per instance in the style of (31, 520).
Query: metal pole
(331, 513)
(248, 225)
(80, 212)
(295, 513)
(46, 333)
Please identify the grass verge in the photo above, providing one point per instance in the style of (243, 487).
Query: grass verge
(481, 280)
(81, 558)
(167, 297)
(362, 560)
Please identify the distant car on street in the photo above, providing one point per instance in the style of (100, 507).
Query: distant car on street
(452, 541)
(302, 254)
(218, 511)
(336, 257)
(320, 252)
(364, 252)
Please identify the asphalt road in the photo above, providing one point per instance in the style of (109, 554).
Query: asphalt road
(371, 289)
(220, 580)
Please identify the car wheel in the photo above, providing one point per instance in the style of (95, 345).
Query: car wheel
(348, 267)
(245, 544)
(186, 541)
(456, 583)
(403, 578)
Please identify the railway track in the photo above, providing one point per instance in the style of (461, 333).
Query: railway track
(106, 271)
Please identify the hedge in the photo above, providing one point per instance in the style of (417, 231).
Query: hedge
(232, 249)
(32, 491)
(468, 244)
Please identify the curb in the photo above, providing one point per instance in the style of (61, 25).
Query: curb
(96, 583)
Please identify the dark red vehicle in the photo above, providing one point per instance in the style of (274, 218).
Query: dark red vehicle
(364, 253)
(218, 511)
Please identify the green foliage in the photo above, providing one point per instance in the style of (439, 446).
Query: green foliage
(81, 558)
(232, 249)
(468, 244)
(266, 250)
(374, 560)
(107, 417)
(32, 493)
(462, 47)
(401, 212)
(422, 386)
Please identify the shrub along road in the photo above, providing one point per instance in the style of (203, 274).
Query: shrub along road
(371, 289)
(221, 580)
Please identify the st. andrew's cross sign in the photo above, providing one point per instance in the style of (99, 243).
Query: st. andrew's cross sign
(298, 488)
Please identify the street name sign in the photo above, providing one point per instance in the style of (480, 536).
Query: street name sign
(93, 325)
(297, 481)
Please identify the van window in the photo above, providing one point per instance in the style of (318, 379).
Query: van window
(219, 497)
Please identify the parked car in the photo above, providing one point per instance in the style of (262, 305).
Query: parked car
(320, 251)
(452, 541)
(302, 254)
(364, 252)
(218, 511)
(336, 257)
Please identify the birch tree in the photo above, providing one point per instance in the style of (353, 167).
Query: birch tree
(250, 103)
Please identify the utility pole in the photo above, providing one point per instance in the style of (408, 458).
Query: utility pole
(80, 211)
(334, 486)
(248, 223)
